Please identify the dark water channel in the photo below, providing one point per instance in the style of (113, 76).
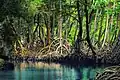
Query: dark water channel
(52, 71)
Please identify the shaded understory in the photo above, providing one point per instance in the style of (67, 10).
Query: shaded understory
(75, 58)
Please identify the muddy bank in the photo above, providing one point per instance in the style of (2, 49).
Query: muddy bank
(74, 58)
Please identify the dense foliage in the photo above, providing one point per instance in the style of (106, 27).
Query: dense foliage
(83, 23)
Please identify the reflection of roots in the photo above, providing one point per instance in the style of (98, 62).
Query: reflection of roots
(54, 49)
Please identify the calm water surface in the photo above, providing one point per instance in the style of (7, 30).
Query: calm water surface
(45, 71)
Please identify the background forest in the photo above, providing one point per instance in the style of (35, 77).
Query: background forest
(29, 26)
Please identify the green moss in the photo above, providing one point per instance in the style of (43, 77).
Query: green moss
(2, 62)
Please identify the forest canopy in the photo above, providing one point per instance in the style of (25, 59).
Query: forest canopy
(82, 24)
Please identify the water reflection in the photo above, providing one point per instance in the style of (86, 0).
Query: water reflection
(45, 71)
(7, 75)
(87, 73)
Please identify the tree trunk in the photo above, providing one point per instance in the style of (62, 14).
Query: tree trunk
(87, 30)
(60, 27)
(79, 37)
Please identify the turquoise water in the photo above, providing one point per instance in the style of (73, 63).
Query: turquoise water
(45, 71)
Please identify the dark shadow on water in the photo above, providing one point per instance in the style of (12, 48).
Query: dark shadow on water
(7, 75)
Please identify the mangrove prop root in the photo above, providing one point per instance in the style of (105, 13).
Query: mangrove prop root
(54, 49)
(109, 73)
